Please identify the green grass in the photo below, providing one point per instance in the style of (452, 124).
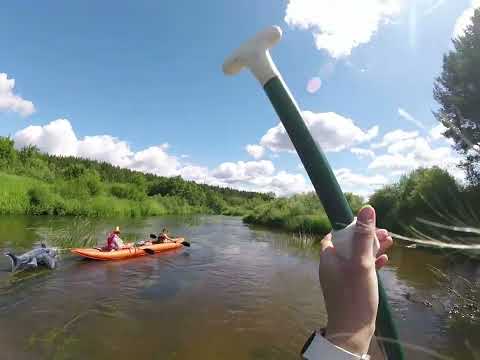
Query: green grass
(299, 214)
(14, 193)
(24, 195)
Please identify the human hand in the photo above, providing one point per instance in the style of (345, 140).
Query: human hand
(350, 286)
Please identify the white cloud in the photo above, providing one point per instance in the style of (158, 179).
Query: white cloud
(436, 133)
(155, 160)
(357, 183)
(465, 19)
(406, 153)
(332, 131)
(285, 183)
(394, 136)
(243, 171)
(408, 117)
(11, 102)
(393, 162)
(341, 25)
(59, 138)
(363, 153)
(103, 148)
(256, 151)
(258, 176)
(195, 173)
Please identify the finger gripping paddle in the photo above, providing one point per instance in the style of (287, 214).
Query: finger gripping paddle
(254, 55)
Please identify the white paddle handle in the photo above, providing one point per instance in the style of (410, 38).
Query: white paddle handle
(253, 54)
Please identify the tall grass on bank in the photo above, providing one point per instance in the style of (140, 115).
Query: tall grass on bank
(302, 214)
(14, 197)
(23, 195)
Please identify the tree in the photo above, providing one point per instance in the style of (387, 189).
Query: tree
(27, 153)
(457, 90)
(7, 152)
(73, 171)
(430, 194)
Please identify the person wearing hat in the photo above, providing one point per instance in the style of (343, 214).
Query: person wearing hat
(114, 242)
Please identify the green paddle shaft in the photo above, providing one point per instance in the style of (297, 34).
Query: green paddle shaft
(329, 192)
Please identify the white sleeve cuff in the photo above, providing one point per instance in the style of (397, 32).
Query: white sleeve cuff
(322, 349)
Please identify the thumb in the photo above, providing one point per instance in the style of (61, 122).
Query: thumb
(364, 237)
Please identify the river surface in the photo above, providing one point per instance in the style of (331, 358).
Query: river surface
(237, 293)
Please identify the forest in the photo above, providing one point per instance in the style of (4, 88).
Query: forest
(34, 183)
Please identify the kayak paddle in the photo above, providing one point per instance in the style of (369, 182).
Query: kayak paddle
(254, 55)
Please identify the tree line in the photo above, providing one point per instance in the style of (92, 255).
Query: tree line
(42, 184)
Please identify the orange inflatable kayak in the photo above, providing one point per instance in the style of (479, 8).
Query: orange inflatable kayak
(128, 253)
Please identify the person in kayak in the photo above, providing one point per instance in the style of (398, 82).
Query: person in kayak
(114, 242)
(163, 237)
(350, 290)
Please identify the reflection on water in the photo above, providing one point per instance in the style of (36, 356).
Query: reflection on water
(237, 293)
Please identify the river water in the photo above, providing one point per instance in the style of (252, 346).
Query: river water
(237, 293)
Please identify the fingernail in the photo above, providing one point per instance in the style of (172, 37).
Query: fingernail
(366, 214)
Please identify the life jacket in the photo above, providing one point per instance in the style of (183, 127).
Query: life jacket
(110, 241)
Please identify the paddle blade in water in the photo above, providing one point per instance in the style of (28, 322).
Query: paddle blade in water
(149, 251)
(185, 243)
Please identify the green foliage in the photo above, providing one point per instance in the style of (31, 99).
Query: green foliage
(125, 191)
(36, 183)
(8, 154)
(73, 171)
(14, 197)
(430, 194)
(457, 91)
(355, 201)
(92, 182)
(299, 213)
(385, 203)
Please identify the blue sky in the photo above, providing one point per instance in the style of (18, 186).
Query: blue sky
(130, 77)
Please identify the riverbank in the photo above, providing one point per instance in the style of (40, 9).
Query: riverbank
(20, 195)
(301, 214)
(424, 204)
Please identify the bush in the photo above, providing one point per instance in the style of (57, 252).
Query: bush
(127, 192)
(299, 213)
(430, 194)
(93, 183)
(14, 197)
(73, 189)
(73, 171)
(41, 200)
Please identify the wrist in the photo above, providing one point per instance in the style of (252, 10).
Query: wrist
(357, 342)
